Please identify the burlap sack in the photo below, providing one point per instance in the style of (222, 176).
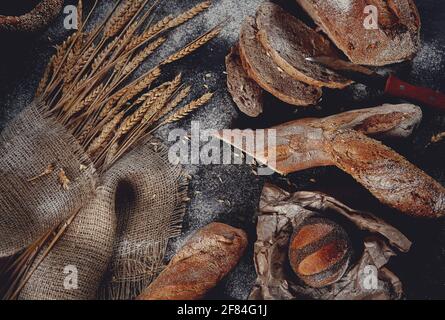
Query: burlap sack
(150, 210)
(118, 239)
(28, 145)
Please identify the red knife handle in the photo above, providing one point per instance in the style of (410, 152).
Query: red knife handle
(401, 89)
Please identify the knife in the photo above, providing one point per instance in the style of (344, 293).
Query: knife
(391, 85)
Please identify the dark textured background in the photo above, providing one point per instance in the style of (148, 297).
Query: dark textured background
(230, 193)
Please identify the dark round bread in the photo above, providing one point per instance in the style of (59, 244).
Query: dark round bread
(320, 252)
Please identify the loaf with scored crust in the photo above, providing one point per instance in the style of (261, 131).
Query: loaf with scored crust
(320, 252)
(207, 257)
(397, 38)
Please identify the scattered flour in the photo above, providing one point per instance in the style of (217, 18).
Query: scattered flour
(429, 64)
(232, 11)
(341, 5)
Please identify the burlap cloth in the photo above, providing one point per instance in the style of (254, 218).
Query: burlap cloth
(116, 243)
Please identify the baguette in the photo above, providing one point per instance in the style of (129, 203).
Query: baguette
(199, 266)
(289, 42)
(309, 143)
(246, 93)
(387, 175)
(397, 38)
(300, 143)
(261, 68)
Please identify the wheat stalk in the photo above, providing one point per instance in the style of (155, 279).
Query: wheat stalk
(83, 60)
(189, 108)
(193, 46)
(80, 13)
(84, 88)
(150, 33)
(162, 100)
(85, 102)
(121, 17)
(190, 14)
(173, 103)
(142, 56)
(141, 84)
(45, 78)
(106, 133)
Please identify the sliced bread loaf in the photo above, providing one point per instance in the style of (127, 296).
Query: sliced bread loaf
(261, 68)
(289, 42)
(396, 39)
(246, 93)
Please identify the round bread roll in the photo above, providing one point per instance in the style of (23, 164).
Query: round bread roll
(320, 252)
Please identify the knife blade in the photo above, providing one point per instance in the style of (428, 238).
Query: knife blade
(391, 85)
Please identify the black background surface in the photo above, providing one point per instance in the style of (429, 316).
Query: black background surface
(230, 193)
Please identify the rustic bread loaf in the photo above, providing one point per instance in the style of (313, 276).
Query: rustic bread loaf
(289, 42)
(36, 19)
(319, 252)
(385, 121)
(396, 39)
(300, 143)
(246, 93)
(386, 174)
(261, 68)
(199, 266)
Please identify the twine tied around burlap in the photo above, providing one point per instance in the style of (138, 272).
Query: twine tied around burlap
(124, 217)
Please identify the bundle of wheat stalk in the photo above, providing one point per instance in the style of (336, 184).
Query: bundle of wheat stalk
(88, 86)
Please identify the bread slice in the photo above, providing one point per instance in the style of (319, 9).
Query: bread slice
(261, 68)
(396, 39)
(289, 42)
(246, 93)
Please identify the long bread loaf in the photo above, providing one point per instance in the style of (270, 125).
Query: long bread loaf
(200, 265)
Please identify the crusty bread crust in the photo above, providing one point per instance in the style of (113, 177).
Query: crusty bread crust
(246, 93)
(289, 42)
(319, 252)
(386, 174)
(261, 68)
(397, 39)
(208, 256)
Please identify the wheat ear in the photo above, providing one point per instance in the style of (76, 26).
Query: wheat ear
(121, 17)
(105, 134)
(186, 110)
(193, 46)
(141, 56)
(44, 81)
(80, 14)
(190, 14)
(173, 103)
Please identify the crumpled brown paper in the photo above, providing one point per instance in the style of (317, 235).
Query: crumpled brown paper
(282, 212)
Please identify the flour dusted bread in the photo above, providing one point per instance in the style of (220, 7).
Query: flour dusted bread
(386, 174)
(396, 39)
(246, 93)
(199, 265)
(320, 252)
(261, 68)
(289, 42)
